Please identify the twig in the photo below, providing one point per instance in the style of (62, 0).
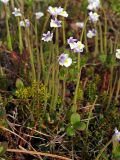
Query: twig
(38, 153)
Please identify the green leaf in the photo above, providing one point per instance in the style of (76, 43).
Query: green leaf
(82, 126)
(19, 83)
(70, 131)
(77, 125)
(3, 147)
(75, 118)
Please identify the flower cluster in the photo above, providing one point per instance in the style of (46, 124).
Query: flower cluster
(93, 4)
(64, 60)
(75, 45)
(56, 11)
(91, 33)
(93, 17)
(25, 23)
(116, 136)
(17, 12)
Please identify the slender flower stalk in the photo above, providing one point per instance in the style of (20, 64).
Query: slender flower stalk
(96, 42)
(9, 41)
(31, 55)
(85, 41)
(20, 37)
(74, 107)
(37, 52)
(101, 38)
(56, 71)
(117, 91)
(105, 30)
(41, 45)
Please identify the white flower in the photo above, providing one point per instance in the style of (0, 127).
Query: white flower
(52, 11)
(80, 24)
(118, 53)
(55, 23)
(5, 1)
(91, 33)
(25, 23)
(116, 136)
(68, 62)
(79, 47)
(55, 11)
(47, 36)
(17, 12)
(64, 60)
(72, 42)
(76, 46)
(93, 4)
(39, 15)
(93, 16)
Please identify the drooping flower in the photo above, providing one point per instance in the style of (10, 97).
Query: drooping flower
(80, 24)
(116, 136)
(93, 4)
(91, 33)
(55, 11)
(64, 60)
(71, 41)
(118, 53)
(55, 23)
(39, 15)
(25, 23)
(5, 1)
(93, 17)
(79, 47)
(47, 36)
(17, 12)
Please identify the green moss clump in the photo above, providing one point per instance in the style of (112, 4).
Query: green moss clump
(91, 91)
(36, 91)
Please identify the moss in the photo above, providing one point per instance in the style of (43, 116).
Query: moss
(36, 91)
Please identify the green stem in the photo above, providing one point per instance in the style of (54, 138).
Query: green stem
(31, 56)
(20, 37)
(118, 90)
(74, 107)
(64, 37)
(56, 70)
(90, 113)
(41, 45)
(85, 40)
(111, 92)
(101, 38)
(37, 51)
(105, 31)
(9, 42)
(96, 43)
(103, 149)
